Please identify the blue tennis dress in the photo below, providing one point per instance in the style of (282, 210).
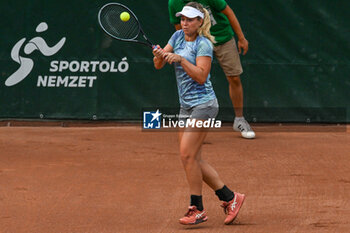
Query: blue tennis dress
(191, 93)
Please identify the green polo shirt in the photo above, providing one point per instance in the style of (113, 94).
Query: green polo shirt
(221, 27)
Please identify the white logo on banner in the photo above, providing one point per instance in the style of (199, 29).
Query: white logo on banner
(26, 64)
(61, 73)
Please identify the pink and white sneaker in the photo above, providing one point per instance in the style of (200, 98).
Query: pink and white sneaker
(193, 216)
(232, 207)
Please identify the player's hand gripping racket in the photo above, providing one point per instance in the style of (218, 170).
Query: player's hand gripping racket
(121, 23)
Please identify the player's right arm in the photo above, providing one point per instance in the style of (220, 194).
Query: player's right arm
(159, 54)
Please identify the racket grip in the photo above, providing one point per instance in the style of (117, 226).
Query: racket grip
(156, 47)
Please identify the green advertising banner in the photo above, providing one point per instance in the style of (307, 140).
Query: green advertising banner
(57, 63)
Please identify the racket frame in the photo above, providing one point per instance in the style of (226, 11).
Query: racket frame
(147, 43)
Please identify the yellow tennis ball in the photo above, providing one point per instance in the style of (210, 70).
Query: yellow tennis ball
(125, 16)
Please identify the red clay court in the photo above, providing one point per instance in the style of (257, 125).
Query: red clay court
(120, 179)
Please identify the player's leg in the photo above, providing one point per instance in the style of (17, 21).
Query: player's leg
(188, 154)
(191, 140)
(190, 143)
(210, 176)
(232, 201)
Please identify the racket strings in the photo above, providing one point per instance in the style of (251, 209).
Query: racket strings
(110, 19)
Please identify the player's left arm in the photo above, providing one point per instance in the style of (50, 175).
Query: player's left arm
(242, 41)
(198, 72)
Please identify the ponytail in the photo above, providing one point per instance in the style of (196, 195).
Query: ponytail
(204, 30)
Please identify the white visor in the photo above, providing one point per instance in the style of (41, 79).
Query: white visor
(190, 12)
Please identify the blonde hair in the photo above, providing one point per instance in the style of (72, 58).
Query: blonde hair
(204, 29)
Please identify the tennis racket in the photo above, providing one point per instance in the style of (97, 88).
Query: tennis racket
(129, 31)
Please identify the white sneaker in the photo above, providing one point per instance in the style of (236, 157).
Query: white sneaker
(241, 125)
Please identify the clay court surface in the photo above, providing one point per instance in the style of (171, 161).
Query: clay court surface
(120, 179)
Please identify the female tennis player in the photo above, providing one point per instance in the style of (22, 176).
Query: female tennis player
(191, 52)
